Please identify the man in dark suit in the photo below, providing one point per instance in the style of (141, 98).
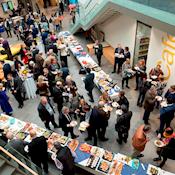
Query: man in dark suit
(93, 125)
(17, 145)
(118, 55)
(15, 85)
(98, 51)
(89, 83)
(64, 121)
(46, 113)
(64, 155)
(37, 149)
(103, 121)
(58, 95)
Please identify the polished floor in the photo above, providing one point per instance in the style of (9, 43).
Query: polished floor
(29, 111)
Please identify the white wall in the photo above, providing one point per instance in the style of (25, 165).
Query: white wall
(120, 29)
(163, 53)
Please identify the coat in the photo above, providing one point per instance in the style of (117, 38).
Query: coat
(99, 50)
(4, 103)
(43, 113)
(65, 157)
(18, 85)
(17, 145)
(169, 150)
(149, 101)
(123, 122)
(89, 82)
(139, 139)
(38, 149)
(63, 121)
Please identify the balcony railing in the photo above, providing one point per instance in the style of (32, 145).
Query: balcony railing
(164, 5)
(18, 160)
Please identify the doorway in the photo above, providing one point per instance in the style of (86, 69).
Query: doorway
(142, 40)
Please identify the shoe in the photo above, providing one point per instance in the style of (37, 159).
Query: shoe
(56, 126)
(113, 72)
(88, 138)
(104, 139)
(157, 159)
(125, 140)
(92, 101)
(127, 87)
(139, 156)
(75, 136)
(119, 142)
(140, 105)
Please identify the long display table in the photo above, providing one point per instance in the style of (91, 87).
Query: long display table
(93, 159)
(102, 80)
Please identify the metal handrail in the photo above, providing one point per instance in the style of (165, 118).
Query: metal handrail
(18, 161)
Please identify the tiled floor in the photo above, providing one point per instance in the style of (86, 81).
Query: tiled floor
(29, 111)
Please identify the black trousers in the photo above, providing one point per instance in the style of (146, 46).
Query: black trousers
(163, 162)
(52, 120)
(90, 94)
(41, 163)
(101, 132)
(92, 133)
(64, 59)
(18, 98)
(126, 79)
(69, 130)
(99, 59)
(122, 136)
(115, 64)
(141, 98)
(164, 121)
(9, 34)
(146, 116)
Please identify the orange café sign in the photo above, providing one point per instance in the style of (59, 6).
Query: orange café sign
(168, 54)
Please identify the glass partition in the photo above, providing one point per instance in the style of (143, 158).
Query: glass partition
(165, 5)
(24, 160)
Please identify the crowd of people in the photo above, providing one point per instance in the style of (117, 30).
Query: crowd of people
(55, 86)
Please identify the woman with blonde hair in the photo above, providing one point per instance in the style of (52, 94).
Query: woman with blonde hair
(43, 86)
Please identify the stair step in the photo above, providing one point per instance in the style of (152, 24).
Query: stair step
(2, 162)
(6, 170)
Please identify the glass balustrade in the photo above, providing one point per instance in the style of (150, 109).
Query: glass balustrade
(164, 5)
(24, 160)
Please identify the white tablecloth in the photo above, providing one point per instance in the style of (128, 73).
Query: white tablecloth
(30, 87)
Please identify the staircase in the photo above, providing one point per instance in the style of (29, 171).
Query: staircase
(6, 168)
(98, 11)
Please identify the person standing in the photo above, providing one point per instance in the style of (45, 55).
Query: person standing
(6, 46)
(126, 75)
(103, 121)
(65, 158)
(149, 103)
(7, 28)
(64, 121)
(4, 101)
(140, 140)
(93, 125)
(123, 100)
(58, 95)
(6, 68)
(61, 7)
(118, 55)
(98, 51)
(127, 54)
(63, 52)
(15, 85)
(123, 124)
(89, 83)
(37, 150)
(46, 113)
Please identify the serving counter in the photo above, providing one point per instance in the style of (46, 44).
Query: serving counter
(90, 158)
